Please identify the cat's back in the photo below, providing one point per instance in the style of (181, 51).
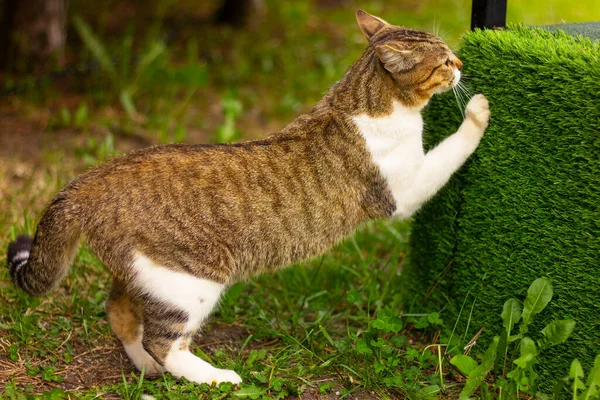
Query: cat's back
(160, 168)
(238, 207)
(312, 149)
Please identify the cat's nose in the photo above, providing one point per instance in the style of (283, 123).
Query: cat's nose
(458, 63)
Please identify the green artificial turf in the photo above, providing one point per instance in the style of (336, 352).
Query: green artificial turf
(527, 204)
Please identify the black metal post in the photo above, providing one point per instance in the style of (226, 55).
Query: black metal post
(489, 14)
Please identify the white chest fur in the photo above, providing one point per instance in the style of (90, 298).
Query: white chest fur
(396, 145)
(384, 134)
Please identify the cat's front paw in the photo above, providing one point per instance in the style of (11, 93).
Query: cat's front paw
(478, 111)
(224, 375)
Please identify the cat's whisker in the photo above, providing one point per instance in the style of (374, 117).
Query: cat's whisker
(463, 81)
(459, 89)
(468, 96)
(443, 33)
(465, 94)
(466, 100)
(436, 27)
(464, 106)
(464, 89)
(464, 76)
(464, 84)
(459, 102)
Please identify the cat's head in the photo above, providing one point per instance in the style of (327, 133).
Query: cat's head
(421, 63)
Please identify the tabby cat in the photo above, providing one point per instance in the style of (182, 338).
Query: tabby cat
(177, 224)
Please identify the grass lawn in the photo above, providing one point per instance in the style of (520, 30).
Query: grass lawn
(332, 327)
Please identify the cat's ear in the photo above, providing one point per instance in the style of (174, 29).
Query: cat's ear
(396, 58)
(369, 24)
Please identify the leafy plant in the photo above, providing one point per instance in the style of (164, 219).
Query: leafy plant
(395, 363)
(591, 389)
(232, 108)
(67, 119)
(97, 150)
(148, 72)
(515, 374)
(124, 79)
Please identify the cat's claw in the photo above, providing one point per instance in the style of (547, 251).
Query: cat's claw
(478, 111)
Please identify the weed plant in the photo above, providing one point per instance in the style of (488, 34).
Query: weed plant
(514, 375)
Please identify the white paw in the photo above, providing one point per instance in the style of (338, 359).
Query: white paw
(151, 367)
(141, 358)
(478, 111)
(224, 375)
(185, 364)
(210, 375)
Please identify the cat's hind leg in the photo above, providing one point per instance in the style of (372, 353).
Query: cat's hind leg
(174, 307)
(125, 318)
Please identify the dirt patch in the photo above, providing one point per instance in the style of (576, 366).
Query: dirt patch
(361, 394)
(90, 367)
(105, 363)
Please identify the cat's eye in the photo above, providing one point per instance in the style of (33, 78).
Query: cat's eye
(448, 62)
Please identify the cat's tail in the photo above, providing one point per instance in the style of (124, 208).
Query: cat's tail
(38, 264)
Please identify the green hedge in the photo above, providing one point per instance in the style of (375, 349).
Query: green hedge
(527, 204)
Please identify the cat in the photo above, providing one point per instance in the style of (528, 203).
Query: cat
(176, 224)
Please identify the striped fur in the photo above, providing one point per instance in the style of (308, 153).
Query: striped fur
(176, 224)
(52, 249)
(18, 256)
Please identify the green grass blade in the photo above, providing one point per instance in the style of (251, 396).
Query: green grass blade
(94, 45)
